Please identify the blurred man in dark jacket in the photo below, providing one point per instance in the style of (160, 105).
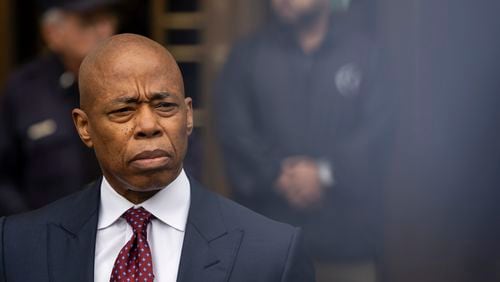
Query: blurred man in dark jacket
(40, 153)
(305, 128)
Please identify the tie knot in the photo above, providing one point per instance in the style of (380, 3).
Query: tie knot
(138, 218)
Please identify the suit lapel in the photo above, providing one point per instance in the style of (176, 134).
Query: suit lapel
(209, 248)
(71, 238)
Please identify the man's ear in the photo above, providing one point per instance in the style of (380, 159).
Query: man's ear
(81, 122)
(189, 113)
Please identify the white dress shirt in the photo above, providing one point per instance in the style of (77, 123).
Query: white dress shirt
(165, 232)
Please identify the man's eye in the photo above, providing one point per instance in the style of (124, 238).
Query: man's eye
(122, 111)
(165, 106)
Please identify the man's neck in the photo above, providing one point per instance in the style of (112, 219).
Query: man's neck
(312, 35)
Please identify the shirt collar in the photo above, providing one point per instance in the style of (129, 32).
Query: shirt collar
(170, 205)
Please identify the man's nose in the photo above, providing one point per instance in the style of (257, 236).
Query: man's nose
(147, 125)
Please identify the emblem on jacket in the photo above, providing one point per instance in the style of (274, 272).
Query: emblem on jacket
(42, 129)
(348, 80)
(66, 80)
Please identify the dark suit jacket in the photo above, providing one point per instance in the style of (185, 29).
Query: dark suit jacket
(223, 242)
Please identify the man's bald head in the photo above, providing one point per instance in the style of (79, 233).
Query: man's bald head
(119, 53)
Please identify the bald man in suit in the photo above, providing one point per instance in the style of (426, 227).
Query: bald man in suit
(145, 218)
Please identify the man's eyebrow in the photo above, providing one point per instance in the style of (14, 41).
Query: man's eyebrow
(135, 100)
(126, 100)
(160, 95)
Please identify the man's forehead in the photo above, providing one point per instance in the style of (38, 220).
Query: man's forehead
(128, 91)
(126, 62)
(136, 78)
(133, 61)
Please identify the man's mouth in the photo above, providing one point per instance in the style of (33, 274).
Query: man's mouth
(148, 160)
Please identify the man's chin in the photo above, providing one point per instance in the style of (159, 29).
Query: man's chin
(149, 185)
(152, 179)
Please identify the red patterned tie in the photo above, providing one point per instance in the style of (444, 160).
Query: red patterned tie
(134, 261)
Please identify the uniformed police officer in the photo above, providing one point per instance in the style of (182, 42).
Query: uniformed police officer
(41, 158)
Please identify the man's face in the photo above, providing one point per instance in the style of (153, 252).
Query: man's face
(294, 11)
(139, 122)
(74, 34)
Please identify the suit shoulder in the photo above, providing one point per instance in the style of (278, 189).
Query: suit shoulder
(238, 216)
(273, 248)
